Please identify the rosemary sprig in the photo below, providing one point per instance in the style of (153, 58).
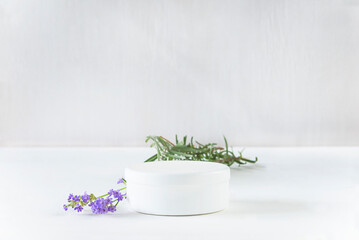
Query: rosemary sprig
(183, 150)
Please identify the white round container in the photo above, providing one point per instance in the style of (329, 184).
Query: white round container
(178, 187)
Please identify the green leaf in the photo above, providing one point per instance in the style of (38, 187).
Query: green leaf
(225, 140)
(151, 159)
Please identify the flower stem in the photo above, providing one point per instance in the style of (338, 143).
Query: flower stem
(102, 196)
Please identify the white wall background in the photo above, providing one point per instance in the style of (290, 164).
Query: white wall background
(105, 73)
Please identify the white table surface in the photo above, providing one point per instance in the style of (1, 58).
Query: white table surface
(291, 193)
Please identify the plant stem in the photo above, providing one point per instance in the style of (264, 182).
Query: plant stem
(102, 196)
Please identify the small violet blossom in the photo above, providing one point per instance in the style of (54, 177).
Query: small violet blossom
(85, 197)
(79, 208)
(121, 180)
(70, 197)
(117, 194)
(76, 198)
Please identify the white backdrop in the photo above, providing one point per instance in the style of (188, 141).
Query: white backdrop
(108, 73)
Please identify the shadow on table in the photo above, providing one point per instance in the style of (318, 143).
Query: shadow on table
(263, 207)
(239, 207)
(236, 207)
(248, 167)
(122, 214)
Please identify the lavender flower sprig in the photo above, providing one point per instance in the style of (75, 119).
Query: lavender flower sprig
(99, 205)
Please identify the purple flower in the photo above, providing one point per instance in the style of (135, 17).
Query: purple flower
(76, 198)
(98, 205)
(111, 208)
(120, 181)
(70, 197)
(85, 197)
(110, 193)
(78, 208)
(116, 194)
(119, 196)
(102, 205)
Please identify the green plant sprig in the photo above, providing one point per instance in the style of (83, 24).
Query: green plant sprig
(183, 150)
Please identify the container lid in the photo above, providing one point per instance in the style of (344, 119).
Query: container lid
(177, 172)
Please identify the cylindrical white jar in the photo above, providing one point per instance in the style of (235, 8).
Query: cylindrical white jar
(178, 187)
